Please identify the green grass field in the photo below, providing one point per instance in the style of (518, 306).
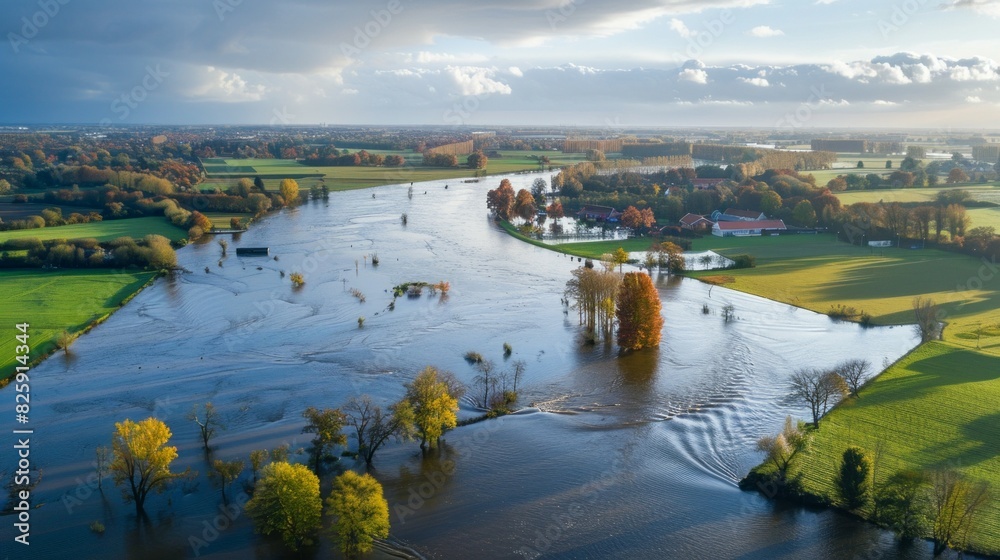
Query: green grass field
(222, 173)
(103, 231)
(937, 408)
(220, 220)
(986, 193)
(57, 300)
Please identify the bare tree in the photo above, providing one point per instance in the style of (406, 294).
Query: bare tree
(819, 389)
(372, 425)
(207, 420)
(782, 448)
(485, 382)
(928, 324)
(518, 372)
(854, 372)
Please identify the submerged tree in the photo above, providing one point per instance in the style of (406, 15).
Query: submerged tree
(361, 511)
(225, 473)
(373, 426)
(287, 501)
(593, 293)
(638, 312)
(432, 404)
(327, 424)
(208, 422)
(141, 459)
(501, 200)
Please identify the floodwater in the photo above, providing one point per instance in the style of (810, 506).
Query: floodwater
(617, 457)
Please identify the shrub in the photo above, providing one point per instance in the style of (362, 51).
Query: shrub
(97, 527)
(743, 261)
(507, 349)
(473, 357)
(297, 279)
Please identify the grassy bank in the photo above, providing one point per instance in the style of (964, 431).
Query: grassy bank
(52, 301)
(936, 408)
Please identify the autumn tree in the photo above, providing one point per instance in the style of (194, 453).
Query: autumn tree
(854, 372)
(555, 210)
(327, 424)
(538, 188)
(619, 257)
(208, 422)
(631, 218)
(957, 175)
(638, 312)
(501, 200)
(141, 459)
(668, 255)
(854, 478)
(287, 501)
(956, 220)
(361, 512)
(433, 407)
(593, 293)
(819, 389)
(524, 205)
(477, 160)
(804, 215)
(956, 501)
(373, 426)
(289, 190)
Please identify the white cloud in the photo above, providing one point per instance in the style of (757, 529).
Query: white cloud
(759, 82)
(516, 71)
(693, 75)
(228, 87)
(765, 31)
(883, 102)
(681, 29)
(825, 2)
(476, 81)
(986, 7)
(973, 99)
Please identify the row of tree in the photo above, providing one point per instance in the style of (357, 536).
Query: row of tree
(153, 252)
(607, 300)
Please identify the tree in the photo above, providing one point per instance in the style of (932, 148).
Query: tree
(804, 215)
(594, 293)
(837, 184)
(782, 449)
(819, 389)
(287, 501)
(243, 187)
(667, 255)
(477, 160)
(631, 218)
(619, 258)
(638, 312)
(372, 425)
(555, 210)
(524, 205)
(328, 425)
(141, 458)
(4, 186)
(916, 152)
(257, 459)
(501, 200)
(861, 164)
(258, 183)
(956, 220)
(289, 190)
(538, 188)
(928, 326)
(955, 503)
(909, 164)
(888, 164)
(854, 373)
(433, 406)
(361, 512)
(207, 420)
(770, 202)
(225, 473)
(902, 504)
(854, 479)
(956, 175)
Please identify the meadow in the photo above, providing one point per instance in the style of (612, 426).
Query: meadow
(52, 301)
(935, 408)
(104, 230)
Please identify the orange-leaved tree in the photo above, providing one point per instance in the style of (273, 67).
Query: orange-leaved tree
(638, 312)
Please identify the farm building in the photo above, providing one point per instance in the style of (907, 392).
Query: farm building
(734, 215)
(599, 213)
(744, 229)
(696, 222)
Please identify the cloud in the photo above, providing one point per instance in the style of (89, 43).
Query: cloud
(476, 81)
(986, 7)
(973, 99)
(759, 82)
(227, 87)
(765, 31)
(693, 75)
(681, 29)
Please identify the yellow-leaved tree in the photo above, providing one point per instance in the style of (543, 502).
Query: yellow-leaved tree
(287, 501)
(289, 190)
(432, 404)
(141, 459)
(361, 510)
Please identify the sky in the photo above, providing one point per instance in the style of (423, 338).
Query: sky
(930, 64)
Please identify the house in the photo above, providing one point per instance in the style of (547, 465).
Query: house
(705, 184)
(746, 228)
(696, 222)
(734, 215)
(599, 213)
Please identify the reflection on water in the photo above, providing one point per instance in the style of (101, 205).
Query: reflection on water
(634, 456)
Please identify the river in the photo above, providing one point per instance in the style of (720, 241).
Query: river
(634, 457)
